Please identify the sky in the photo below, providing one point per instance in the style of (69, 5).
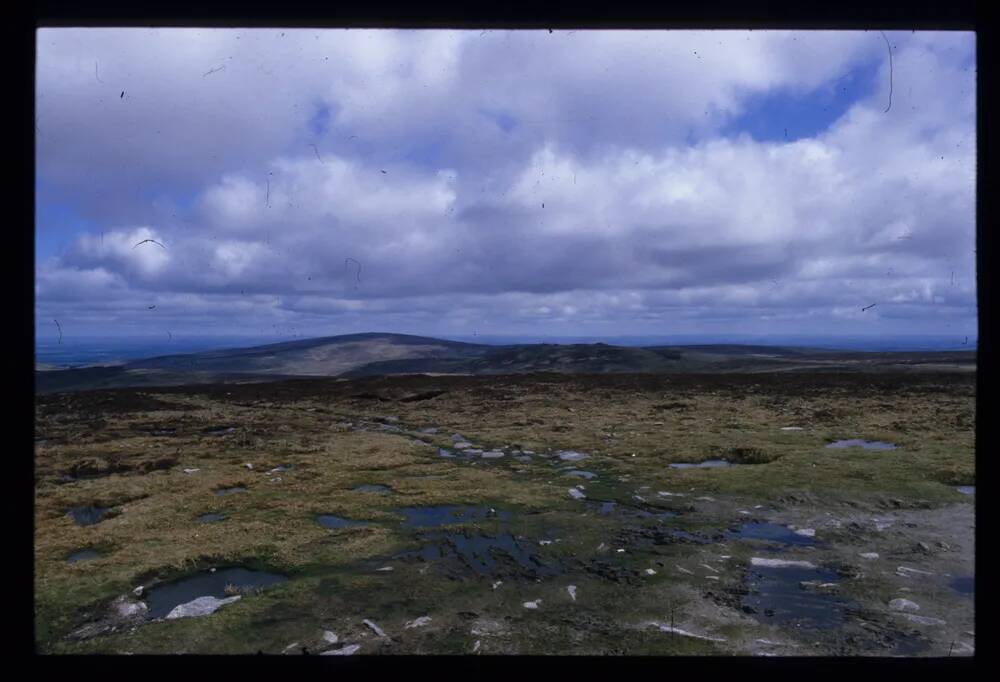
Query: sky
(304, 182)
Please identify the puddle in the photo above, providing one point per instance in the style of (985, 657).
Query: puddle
(374, 488)
(778, 597)
(219, 430)
(222, 492)
(163, 598)
(87, 516)
(441, 515)
(581, 474)
(770, 532)
(707, 464)
(607, 507)
(211, 517)
(484, 554)
(965, 584)
(330, 521)
(866, 444)
(966, 489)
(82, 555)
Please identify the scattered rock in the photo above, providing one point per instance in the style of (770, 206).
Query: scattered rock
(684, 570)
(869, 555)
(650, 571)
(922, 547)
(191, 471)
(497, 584)
(289, 647)
(137, 591)
(572, 592)
(532, 604)
(576, 494)
(330, 637)
(385, 568)
(417, 623)
(202, 606)
(903, 605)
(807, 532)
(475, 647)
(906, 572)
(249, 466)
(344, 651)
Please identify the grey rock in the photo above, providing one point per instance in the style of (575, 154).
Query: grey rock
(903, 605)
(344, 651)
(202, 606)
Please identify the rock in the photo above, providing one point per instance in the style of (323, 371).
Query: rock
(571, 455)
(344, 651)
(375, 628)
(684, 570)
(572, 592)
(906, 572)
(869, 555)
(191, 471)
(923, 620)
(576, 494)
(124, 609)
(202, 606)
(493, 454)
(650, 571)
(706, 498)
(137, 591)
(249, 466)
(807, 532)
(385, 568)
(417, 623)
(545, 542)
(497, 584)
(330, 637)
(462, 445)
(922, 547)
(289, 647)
(475, 647)
(780, 563)
(532, 604)
(903, 605)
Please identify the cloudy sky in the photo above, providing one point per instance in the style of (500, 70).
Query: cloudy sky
(318, 182)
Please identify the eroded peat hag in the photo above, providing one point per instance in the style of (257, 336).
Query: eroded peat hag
(371, 524)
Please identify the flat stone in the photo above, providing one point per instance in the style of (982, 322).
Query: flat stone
(417, 623)
(923, 620)
(780, 563)
(869, 555)
(650, 571)
(345, 651)
(462, 445)
(202, 606)
(685, 633)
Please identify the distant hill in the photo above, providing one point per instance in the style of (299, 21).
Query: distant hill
(374, 354)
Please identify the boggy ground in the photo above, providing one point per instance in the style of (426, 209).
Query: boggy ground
(668, 552)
